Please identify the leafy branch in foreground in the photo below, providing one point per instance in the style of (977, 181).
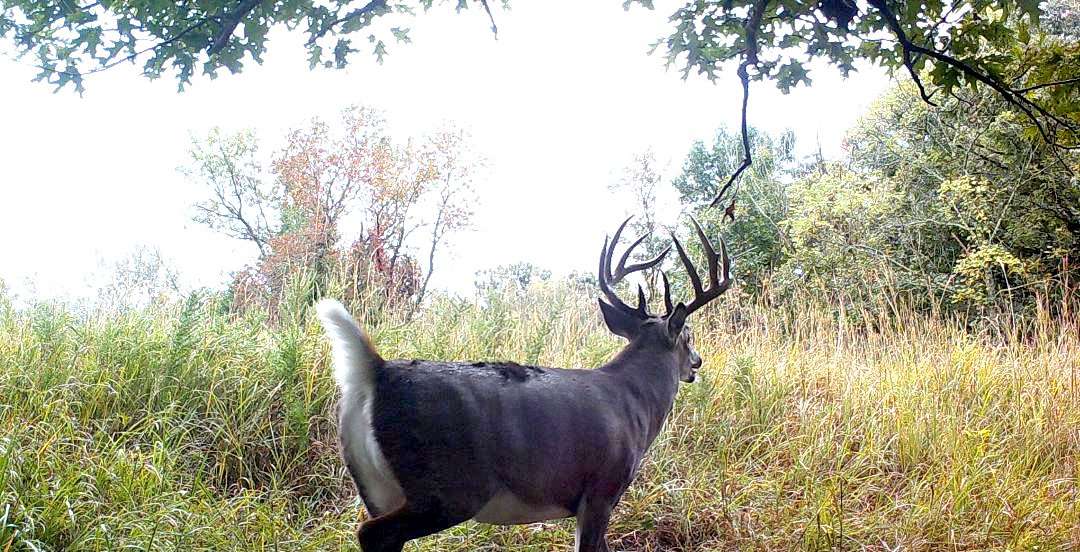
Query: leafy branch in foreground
(75, 38)
(943, 45)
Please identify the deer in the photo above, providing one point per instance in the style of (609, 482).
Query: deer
(431, 444)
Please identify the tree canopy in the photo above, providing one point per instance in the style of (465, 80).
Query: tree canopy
(943, 45)
(74, 38)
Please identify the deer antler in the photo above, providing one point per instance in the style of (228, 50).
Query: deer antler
(608, 279)
(718, 282)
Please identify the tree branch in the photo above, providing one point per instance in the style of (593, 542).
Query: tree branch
(494, 28)
(729, 212)
(1073, 80)
(368, 9)
(750, 57)
(229, 23)
(1015, 97)
(130, 57)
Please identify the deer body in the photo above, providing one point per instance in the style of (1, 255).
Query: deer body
(433, 444)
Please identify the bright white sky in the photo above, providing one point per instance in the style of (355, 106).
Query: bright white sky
(558, 104)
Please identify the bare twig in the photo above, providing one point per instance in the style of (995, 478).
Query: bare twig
(494, 27)
(750, 57)
(1073, 80)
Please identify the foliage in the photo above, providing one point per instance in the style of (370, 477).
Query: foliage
(759, 240)
(516, 278)
(958, 206)
(997, 48)
(186, 427)
(638, 180)
(72, 39)
(323, 174)
(841, 233)
(980, 194)
(950, 45)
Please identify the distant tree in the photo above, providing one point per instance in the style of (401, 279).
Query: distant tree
(842, 228)
(140, 279)
(988, 210)
(639, 180)
(516, 277)
(759, 235)
(323, 173)
(453, 194)
(243, 202)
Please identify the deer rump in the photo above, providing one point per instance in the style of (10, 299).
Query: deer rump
(482, 441)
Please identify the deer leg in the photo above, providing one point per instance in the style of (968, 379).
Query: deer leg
(592, 523)
(390, 532)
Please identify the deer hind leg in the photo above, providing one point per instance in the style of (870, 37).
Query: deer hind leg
(592, 524)
(390, 532)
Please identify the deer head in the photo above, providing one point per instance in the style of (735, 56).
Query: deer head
(670, 330)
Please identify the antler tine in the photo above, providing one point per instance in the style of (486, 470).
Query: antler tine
(710, 255)
(609, 278)
(611, 251)
(604, 279)
(726, 262)
(719, 269)
(621, 267)
(690, 270)
(645, 265)
(667, 294)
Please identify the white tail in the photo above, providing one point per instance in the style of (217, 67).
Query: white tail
(354, 358)
(355, 364)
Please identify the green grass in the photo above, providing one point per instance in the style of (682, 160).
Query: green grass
(182, 428)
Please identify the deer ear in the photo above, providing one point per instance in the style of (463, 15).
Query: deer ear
(676, 320)
(618, 321)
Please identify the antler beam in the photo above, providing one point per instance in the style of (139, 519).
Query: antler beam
(719, 271)
(608, 279)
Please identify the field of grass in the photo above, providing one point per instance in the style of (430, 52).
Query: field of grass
(184, 428)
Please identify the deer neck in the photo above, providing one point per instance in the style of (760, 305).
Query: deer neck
(650, 379)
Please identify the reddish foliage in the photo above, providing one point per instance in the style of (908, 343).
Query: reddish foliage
(323, 175)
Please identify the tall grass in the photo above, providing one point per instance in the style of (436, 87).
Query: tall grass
(183, 427)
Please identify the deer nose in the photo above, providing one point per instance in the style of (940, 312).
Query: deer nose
(696, 362)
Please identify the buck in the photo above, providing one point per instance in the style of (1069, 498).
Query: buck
(432, 444)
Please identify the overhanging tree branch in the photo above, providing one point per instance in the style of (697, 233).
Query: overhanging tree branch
(748, 159)
(371, 9)
(1062, 82)
(229, 23)
(494, 27)
(750, 57)
(1016, 97)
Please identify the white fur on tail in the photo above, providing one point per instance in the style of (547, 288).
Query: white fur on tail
(355, 362)
(353, 356)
